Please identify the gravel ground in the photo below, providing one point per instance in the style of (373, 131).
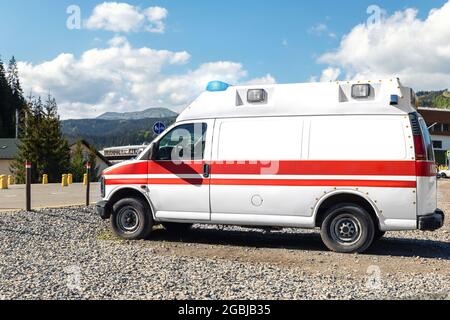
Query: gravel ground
(71, 254)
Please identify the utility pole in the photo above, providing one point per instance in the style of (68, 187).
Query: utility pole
(17, 123)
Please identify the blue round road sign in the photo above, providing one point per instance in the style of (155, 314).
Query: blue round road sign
(159, 127)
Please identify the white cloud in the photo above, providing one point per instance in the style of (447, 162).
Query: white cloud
(320, 29)
(416, 50)
(267, 79)
(122, 78)
(330, 74)
(123, 17)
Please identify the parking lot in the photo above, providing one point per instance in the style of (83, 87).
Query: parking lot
(49, 195)
(72, 254)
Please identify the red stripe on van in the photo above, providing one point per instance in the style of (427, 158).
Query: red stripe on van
(113, 182)
(426, 169)
(197, 182)
(129, 168)
(350, 168)
(268, 182)
(152, 167)
(345, 168)
(317, 183)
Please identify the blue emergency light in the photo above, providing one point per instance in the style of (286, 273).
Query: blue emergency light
(215, 86)
(394, 100)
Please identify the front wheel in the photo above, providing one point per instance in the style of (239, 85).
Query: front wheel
(348, 228)
(132, 219)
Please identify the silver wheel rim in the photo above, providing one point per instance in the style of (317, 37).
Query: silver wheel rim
(128, 220)
(346, 229)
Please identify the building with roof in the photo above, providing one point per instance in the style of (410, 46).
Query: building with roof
(8, 150)
(101, 162)
(117, 155)
(438, 120)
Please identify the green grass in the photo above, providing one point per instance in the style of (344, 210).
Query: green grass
(108, 236)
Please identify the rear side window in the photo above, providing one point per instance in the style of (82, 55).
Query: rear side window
(260, 139)
(357, 138)
(427, 139)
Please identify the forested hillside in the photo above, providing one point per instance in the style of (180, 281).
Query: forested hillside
(12, 102)
(434, 99)
(108, 133)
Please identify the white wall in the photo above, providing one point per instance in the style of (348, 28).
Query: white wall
(445, 141)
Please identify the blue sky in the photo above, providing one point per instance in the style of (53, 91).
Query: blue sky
(283, 38)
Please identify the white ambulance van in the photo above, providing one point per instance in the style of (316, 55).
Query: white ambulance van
(354, 159)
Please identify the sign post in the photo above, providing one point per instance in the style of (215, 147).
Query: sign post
(28, 186)
(448, 158)
(88, 183)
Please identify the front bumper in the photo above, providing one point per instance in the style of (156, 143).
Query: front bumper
(431, 222)
(104, 210)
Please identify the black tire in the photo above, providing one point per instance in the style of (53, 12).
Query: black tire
(132, 219)
(348, 228)
(177, 228)
(379, 235)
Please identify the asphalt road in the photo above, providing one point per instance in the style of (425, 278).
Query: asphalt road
(47, 196)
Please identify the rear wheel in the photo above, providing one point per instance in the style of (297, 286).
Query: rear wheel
(177, 228)
(348, 228)
(132, 219)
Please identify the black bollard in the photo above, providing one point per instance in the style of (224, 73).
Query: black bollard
(28, 185)
(88, 184)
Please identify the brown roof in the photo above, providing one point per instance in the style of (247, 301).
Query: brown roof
(432, 116)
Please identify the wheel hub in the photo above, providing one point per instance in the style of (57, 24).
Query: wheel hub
(128, 220)
(346, 229)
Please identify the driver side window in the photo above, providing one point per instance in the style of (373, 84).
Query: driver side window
(183, 143)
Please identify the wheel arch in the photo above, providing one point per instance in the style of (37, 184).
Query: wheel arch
(130, 192)
(345, 196)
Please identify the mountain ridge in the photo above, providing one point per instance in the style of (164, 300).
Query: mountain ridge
(434, 99)
(150, 113)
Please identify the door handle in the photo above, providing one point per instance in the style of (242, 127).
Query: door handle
(206, 171)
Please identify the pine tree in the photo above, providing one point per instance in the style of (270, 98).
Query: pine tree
(56, 151)
(4, 101)
(78, 163)
(42, 143)
(94, 174)
(29, 146)
(17, 102)
(12, 102)
(13, 77)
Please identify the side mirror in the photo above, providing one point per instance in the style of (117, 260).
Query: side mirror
(153, 152)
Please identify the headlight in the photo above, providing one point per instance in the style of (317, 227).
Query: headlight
(102, 187)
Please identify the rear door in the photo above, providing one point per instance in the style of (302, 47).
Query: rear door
(426, 170)
(177, 186)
